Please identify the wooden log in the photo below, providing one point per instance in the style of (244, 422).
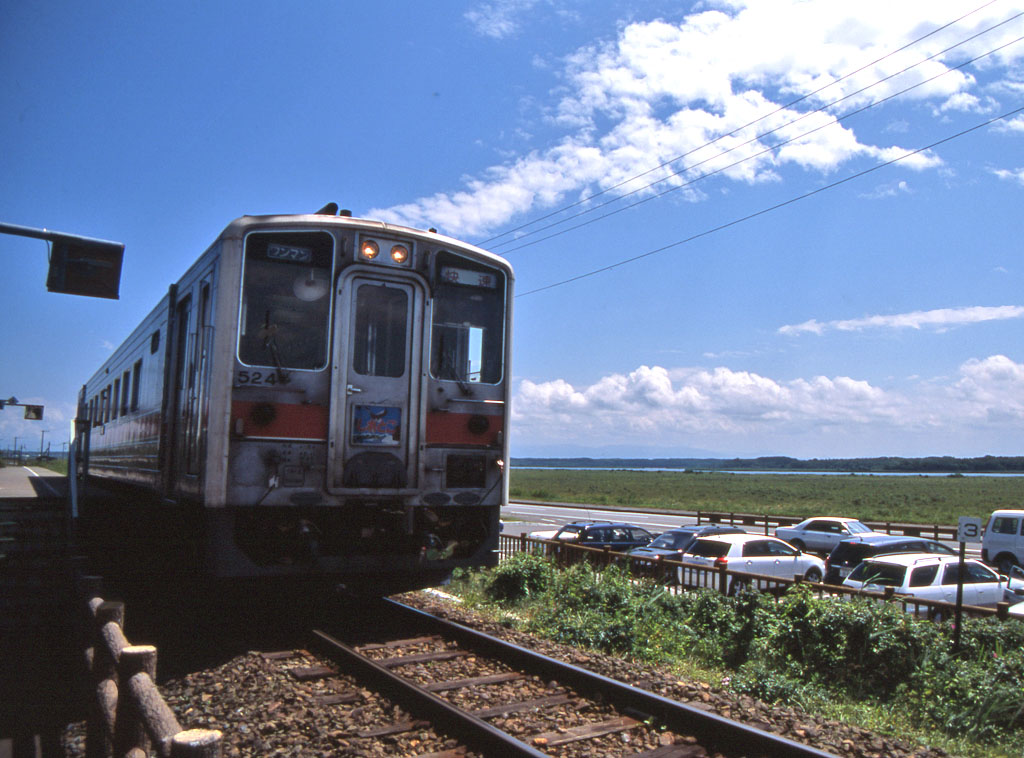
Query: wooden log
(160, 723)
(196, 743)
(130, 732)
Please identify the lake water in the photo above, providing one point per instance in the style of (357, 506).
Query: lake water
(775, 473)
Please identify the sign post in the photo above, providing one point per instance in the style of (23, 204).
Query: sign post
(968, 530)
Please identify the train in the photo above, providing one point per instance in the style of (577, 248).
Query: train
(320, 398)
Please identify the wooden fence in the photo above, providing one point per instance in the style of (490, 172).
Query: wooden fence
(680, 577)
(126, 715)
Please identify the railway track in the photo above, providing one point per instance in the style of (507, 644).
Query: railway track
(477, 695)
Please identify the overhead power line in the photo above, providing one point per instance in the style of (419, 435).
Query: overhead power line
(775, 207)
(733, 132)
(752, 156)
(761, 136)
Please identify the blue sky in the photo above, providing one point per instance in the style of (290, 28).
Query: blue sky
(881, 315)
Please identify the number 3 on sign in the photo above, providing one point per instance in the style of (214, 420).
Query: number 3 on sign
(969, 529)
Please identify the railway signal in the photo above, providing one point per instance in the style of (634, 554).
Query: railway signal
(78, 265)
(32, 412)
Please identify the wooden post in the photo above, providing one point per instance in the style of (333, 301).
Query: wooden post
(129, 730)
(196, 743)
(102, 687)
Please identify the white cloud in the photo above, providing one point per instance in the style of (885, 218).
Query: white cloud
(498, 19)
(660, 90)
(1013, 175)
(890, 189)
(659, 407)
(940, 319)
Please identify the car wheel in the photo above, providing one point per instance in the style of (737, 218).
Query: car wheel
(1005, 564)
(799, 545)
(813, 575)
(737, 586)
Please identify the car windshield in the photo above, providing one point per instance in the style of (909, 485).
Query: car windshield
(856, 527)
(567, 532)
(671, 541)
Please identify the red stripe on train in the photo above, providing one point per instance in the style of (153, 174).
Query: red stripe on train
(462, 429)
(279, 420)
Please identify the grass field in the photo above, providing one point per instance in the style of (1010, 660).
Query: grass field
(913, 499)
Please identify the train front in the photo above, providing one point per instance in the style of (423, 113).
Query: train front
(368, 408)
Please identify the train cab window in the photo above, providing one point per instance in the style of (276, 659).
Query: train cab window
(379, 344)
(467, 340)
(285, 309)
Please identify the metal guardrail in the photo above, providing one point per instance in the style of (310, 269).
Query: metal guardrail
(687, 576)
(769, 522)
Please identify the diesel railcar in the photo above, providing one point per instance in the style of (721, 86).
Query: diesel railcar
(319, 396)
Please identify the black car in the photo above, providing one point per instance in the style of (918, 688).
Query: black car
(617, 536)
(849, 552)
(671, 543)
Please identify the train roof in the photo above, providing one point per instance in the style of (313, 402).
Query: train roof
(241, 225)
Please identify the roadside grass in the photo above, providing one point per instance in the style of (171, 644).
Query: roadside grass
(914, 499)
(57, 465)
(857, 662)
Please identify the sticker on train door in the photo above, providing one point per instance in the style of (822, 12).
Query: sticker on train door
(376, 425)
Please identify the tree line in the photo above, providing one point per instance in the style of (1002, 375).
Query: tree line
(988, 464)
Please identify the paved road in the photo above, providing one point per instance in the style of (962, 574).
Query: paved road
(30, 481)
(530, 517)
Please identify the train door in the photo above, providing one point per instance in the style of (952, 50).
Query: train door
(376, 383)
(179, 412)
(192, 342)
(195, 400)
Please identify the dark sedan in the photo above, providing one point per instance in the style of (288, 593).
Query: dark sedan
(671, 544)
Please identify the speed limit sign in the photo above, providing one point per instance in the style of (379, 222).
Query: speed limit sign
(969, 529)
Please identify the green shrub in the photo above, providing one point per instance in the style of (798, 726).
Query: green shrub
(521, 576)
(800, 648)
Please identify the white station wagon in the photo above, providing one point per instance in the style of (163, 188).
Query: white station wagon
(754, 554)
(930, 577)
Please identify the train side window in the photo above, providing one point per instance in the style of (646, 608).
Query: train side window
(467, 339)
(114, 396)
(136, 377)
(125, 386)
(154, 342)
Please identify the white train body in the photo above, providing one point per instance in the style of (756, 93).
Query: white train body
(317, 395)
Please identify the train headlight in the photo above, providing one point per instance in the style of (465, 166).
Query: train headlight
(369, 250)
(399, 253)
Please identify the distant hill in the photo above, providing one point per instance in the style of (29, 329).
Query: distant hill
(989, 464)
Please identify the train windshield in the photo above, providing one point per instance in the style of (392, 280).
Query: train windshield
(285, 312)
(467, 333)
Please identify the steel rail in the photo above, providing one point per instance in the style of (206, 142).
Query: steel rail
(710, 729)
(464, 726)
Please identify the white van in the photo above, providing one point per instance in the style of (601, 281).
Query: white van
(1003, 543)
